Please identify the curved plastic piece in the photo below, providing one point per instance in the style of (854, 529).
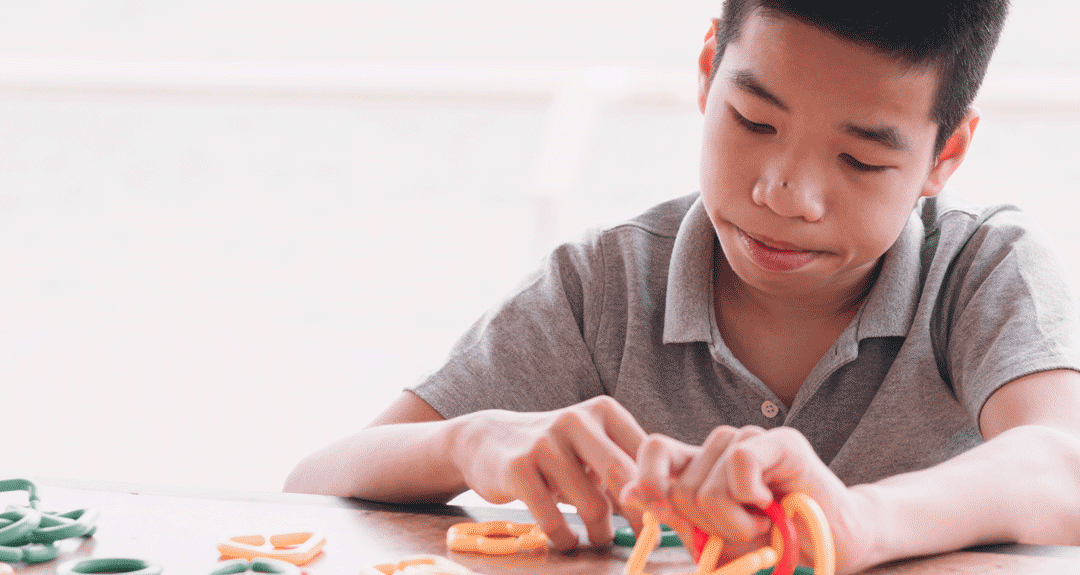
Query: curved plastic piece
(709, 556)
(495, 537)
(418, 565)
(109, 565)
(40, 552)
(296, 548)
(624, 537)
(789, 537)
(750, 563)
(650, 532)
(257, 565)
(17, 524)
(19, 484)
(810, 512)
(57, 526)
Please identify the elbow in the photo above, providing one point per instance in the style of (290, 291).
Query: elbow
(302, 479)
(1050, 498)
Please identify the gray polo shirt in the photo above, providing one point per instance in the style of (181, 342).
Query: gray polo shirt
(966, 300)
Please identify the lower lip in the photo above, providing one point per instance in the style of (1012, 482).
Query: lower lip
(774, 259)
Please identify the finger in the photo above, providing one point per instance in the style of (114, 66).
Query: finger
(781, 461)
(568, 477)
(659, 459)
(701, 493)
(538, 498)
(606, 437)
(711, 450)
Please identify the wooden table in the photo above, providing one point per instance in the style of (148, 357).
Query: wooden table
(180, 528)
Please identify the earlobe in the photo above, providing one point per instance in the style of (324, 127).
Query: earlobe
(705, 64)
(953, 154)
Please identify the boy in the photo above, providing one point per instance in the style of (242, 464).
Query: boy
(820, 301)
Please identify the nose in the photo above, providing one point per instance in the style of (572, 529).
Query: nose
(792, 190)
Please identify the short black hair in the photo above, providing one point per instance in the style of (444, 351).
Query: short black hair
(955, 37)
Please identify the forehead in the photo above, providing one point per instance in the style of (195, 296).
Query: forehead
(815, 68)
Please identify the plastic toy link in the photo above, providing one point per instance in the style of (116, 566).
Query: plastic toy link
(296, 548)
(418, 565)
(257, 565)
(29, 534)
(495, 537)
(783, 554)
(110, 565)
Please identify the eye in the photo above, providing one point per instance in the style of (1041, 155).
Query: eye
(851, 161)
(753, 127)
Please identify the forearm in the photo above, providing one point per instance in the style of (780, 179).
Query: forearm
(398, 463)
(1022, 486)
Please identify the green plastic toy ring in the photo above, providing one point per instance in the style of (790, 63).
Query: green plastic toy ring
(624, 537)
(109, 565)
(257, 565)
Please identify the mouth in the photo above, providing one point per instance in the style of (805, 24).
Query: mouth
(775, 255)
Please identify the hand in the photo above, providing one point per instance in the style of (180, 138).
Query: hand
(581, 455)
(720, 486)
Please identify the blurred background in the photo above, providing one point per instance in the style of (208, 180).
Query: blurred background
(231, 232)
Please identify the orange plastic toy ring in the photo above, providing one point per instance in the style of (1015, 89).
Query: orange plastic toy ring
(418, 565)
(296, 548)
(495, 537)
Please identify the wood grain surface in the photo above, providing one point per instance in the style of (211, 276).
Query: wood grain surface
(180, 529)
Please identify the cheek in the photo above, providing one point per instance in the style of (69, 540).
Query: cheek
(727, 163)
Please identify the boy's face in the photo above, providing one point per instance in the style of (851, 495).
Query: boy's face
(815, 151)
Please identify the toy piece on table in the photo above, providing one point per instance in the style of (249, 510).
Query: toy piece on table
(109, 565)
(419, 565)
(296, 548)
(495, 537)
(6, 569)
(783, 553)
(30, 535)
(624, 537)
(256, 565)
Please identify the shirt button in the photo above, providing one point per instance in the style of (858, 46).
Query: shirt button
(769, 409)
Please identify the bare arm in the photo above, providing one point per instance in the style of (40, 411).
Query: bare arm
(401, 456)
(1022, 485)
(577, 455)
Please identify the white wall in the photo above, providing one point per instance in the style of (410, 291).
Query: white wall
(230, 233)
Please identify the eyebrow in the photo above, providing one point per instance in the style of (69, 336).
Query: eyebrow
(887, 136)
(745, 81)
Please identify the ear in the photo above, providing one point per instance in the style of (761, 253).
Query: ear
(952, 155)
(705, 64)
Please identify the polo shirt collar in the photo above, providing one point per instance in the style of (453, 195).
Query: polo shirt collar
(888, 311)
(890, 306)
(688, 307)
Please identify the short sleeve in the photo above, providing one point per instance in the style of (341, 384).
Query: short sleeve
(1008, 310)
(529, 352)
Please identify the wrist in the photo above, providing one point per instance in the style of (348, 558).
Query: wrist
(868, 525)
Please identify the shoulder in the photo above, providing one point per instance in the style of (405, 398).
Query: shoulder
(662, 220)
(954, 221)
(644, 234)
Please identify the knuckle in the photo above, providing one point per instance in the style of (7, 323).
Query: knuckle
(791, 437)
(741, 457)
(652, 444)
(571, 419)
(604, 403)
(541, 448)
(722, 433)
